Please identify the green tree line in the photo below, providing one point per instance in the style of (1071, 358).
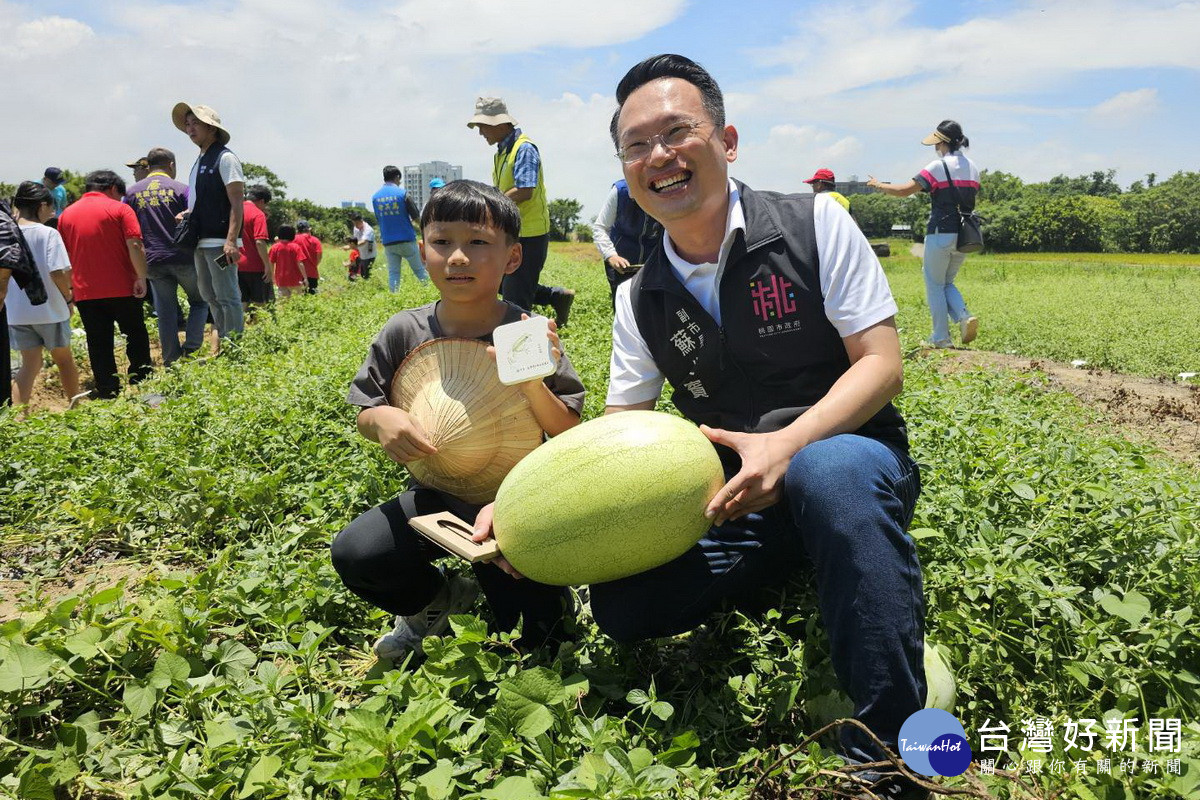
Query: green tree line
(1088, 213)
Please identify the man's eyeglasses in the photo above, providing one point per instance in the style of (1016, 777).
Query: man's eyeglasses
(672, 138)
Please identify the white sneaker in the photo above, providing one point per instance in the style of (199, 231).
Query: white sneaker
(969, 328)
(456, 597)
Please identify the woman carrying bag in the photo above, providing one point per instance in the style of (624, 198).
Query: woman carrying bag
(952, 181)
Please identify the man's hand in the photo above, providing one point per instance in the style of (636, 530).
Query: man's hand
(232, 252)
(483, 532)
(400, 436)
(759, 483)
(139, 287)
(618, 263)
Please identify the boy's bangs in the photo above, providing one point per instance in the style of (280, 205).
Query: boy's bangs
(474, 203)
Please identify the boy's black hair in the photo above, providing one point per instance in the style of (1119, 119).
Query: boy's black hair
(476, 203)
(29, 198)
(287, 232)
(258, 192)
(669, 65)
(391, 173)
(102, 179)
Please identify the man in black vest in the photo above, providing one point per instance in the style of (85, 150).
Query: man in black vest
(215, 203)
(773, 321)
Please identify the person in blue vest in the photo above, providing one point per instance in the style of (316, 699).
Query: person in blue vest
(517, 171)
(399, 218)
(773, 322)
(625, 236)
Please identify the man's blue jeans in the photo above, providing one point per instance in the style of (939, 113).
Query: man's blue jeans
(847, 502)
(166, 279)
(219, 288)
(396, 251)
(940, 264)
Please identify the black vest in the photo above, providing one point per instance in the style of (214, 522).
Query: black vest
(211, 208)
(775, 353)
(634, 233)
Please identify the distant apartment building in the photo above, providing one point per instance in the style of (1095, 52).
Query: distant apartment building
(417, 178)
(353, 204)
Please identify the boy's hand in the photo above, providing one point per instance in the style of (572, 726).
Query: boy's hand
(483, 532)
(401, 436)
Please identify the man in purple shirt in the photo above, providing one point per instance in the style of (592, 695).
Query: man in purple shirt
(156, 199)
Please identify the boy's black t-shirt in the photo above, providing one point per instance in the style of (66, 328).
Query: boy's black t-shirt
(415, 326)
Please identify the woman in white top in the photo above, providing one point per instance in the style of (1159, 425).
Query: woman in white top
(47, 325)
(952, 181)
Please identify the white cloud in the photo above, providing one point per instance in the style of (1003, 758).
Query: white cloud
(1127, 106)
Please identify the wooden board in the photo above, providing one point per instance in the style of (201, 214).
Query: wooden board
(454, 535)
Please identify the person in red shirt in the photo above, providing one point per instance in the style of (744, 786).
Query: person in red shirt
(256, 273)
(314, 249)
(351, 264)
(108, 278)
(290, 260)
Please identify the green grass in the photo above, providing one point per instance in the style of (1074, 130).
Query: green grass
(1062, 572)
(1113, 311)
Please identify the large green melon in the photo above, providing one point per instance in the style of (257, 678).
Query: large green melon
(612, 497)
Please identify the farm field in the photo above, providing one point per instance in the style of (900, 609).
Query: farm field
(170, 625)
(1136, 314)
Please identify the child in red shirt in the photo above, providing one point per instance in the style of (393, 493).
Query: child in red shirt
(290, 260)
(351, 264)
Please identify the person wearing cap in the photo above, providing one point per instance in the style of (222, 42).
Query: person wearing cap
(108, 278)
(256, 273)
(773, 322)
(399, 220)
(625, 235)
(949, 179)
(517, 171)
(313, 250)
(140, 167)
(215, 204)
(53, 179)
(823, 182)
(157, 199)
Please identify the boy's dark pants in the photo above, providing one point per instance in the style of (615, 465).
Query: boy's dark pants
(98, 317)
(385, 562)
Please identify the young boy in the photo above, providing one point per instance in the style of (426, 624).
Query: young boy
(290, 260)
(351, 264)
(470, 244)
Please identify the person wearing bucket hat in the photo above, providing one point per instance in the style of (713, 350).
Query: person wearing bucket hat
(950, 179)
(823, 182)
(215, 203)
(53, 179)
(517, 171)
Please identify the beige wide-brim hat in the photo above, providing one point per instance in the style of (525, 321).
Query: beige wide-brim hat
(490, 111)
(480, 427)
(205, 114)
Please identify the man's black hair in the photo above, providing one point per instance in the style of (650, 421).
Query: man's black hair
(29, 198)
(287, 232)
(355, 216)
(102, 179)
(669, 65)
(160, 157)
(391, 173)
(476, 203)
(258, 192)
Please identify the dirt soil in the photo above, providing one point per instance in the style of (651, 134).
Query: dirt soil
(1165, 414)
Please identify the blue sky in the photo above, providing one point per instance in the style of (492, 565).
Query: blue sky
(326, 92)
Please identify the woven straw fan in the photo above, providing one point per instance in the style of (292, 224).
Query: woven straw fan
(480, 427)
